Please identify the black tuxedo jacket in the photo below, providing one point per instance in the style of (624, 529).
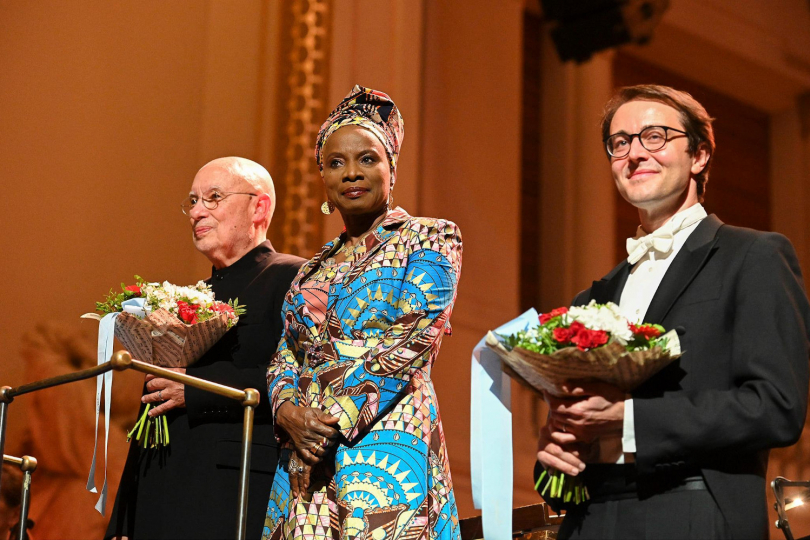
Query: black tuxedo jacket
(189, 491)
(740, 388)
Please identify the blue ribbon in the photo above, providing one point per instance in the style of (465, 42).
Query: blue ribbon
(106, 335)
(491, 434)
(135, 306)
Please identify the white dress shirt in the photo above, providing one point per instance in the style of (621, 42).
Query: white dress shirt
(641, 286)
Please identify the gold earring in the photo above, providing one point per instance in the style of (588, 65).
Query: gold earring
(328, 207)
(391, 201)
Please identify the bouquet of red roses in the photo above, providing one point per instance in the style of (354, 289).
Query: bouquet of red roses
(587, 343)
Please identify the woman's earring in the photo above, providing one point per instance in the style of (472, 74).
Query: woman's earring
(391, 201)
(328, 207)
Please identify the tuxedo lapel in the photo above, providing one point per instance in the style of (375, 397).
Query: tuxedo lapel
(609, 288)
(684, 268)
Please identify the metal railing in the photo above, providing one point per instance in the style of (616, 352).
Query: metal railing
(27, 465)
(782, 505)
(122, 360)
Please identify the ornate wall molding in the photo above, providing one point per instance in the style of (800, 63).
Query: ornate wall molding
(306, 38)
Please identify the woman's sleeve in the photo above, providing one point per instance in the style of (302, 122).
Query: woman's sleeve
(283, 372)
(377, 379)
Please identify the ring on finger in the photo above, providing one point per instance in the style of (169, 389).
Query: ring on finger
(300, 469)
(324, 443)
(160, 394)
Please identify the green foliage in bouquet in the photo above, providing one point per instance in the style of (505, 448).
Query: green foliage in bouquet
(646, 336)
(586, 328)
(112, 304)
(539, 339)
(192, 305)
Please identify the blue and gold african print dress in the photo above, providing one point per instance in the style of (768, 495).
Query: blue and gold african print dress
(363, 352)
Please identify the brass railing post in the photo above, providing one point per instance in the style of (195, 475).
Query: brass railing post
(27, 465)
(122, 360)
(249, 403)
(5, 399)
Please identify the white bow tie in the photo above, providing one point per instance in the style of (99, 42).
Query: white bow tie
(662, 239)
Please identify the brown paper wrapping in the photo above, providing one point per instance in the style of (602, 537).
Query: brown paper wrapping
(164, 340)
(611, 364)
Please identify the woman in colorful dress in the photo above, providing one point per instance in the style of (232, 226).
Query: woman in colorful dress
(364, 451)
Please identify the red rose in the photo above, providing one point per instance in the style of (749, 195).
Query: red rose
(545, 317)
(647, 331)
(133, 289)
(566, 335)
(563, 335)
(588, 339)
(187, 312)
(221, 307)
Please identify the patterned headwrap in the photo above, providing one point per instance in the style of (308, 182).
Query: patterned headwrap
(372, 110)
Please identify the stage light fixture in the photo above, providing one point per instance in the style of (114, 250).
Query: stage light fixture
(583, 27)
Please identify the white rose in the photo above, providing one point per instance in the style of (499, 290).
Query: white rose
(607, 318)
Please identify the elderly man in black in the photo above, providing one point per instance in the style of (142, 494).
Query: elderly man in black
(189, 490)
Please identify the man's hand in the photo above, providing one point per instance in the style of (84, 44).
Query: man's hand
(310, 429)
(173, 394)
(558, 450)
(588, 411)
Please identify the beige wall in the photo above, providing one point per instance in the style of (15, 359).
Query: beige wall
(108, 111)
(101, 108)
(471, 175)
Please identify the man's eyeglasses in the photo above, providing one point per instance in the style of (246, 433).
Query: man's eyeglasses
(652, 138)
(210, 202)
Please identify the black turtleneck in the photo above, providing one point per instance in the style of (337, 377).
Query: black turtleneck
(241, 357)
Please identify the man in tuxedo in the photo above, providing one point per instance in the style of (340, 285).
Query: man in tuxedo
(189, 489)
(685, 456)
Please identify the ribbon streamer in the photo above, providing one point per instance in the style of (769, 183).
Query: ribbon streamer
(106, 335)
(491, 434)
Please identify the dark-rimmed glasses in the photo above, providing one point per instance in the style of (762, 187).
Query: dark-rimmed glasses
(652, 138)
(210, 202)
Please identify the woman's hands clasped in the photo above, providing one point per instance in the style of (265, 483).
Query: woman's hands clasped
(300, 473)
(312, 433)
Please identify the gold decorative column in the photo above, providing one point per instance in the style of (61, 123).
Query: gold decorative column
(306, 37)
